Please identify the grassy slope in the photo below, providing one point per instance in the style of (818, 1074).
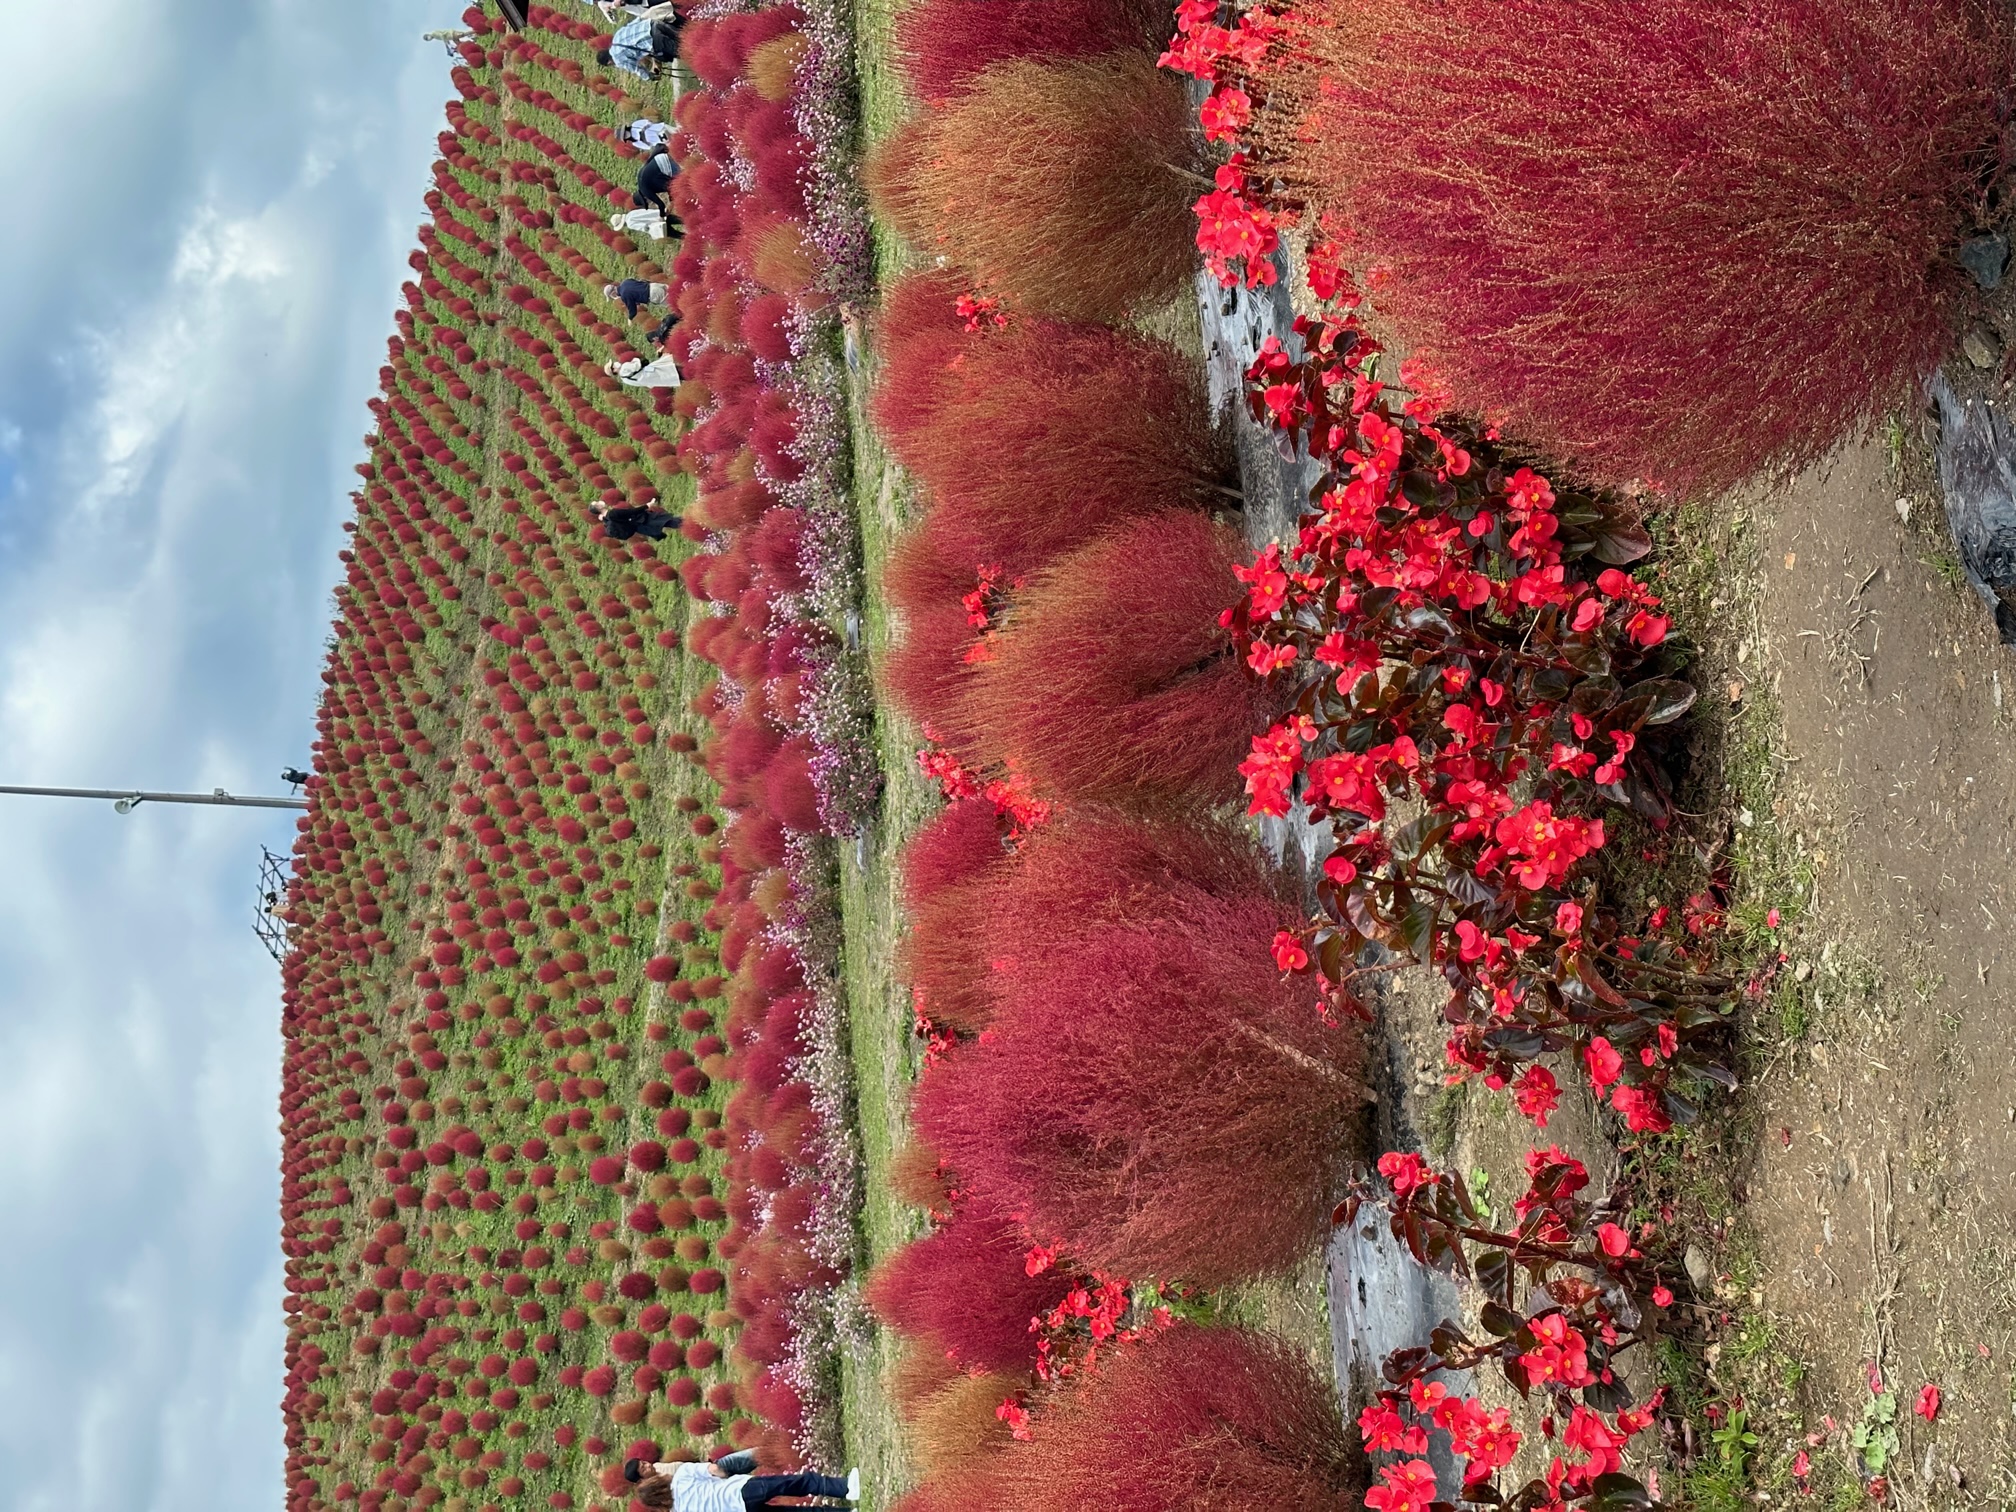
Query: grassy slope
(487, 1075)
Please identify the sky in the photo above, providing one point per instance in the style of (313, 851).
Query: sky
(208, 207)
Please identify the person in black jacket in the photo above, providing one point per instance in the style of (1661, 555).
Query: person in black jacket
(634, 294)
(654, 183)
(621, 522)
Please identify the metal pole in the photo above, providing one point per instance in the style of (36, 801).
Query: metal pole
(125, 800)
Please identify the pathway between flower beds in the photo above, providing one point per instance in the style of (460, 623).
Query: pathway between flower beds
(1875, 708)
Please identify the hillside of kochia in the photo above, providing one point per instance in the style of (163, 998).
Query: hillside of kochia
(535, 947)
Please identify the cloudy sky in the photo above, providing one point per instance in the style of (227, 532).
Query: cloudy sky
(208, 205)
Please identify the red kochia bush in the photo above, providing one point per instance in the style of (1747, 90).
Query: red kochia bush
(1113, 679)
(949, 873)
(1024, 433)
(943, 43)
(1683, 241)
(966, 1289)
(1064, 186)
(959, 845)
(1154, 1094)
(1212, 1418)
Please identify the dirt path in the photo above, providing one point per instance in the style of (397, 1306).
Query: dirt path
(1881, 1196)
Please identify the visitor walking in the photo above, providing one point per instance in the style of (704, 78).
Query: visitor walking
(647, 44)
(647, 135)
(615, 10)
(649, 223)
(634, 294)
(728, 1485)
(654, 182)
(635, 372)
(622, 521)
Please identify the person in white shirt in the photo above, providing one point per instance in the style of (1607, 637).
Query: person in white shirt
(647, 135)
(728, 1484)
(635, 372)
(649, 223)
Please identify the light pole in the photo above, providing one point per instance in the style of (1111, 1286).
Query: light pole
(125, 800)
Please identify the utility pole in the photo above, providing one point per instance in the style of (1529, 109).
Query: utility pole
(125, 800)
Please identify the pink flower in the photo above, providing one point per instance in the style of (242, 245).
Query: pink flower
(1288, 952)
(1928, 1402)
(1407, 1172)
(1642, 1110)
(1386, 1432)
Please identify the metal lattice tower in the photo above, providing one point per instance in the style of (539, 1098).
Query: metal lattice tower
(267, 922)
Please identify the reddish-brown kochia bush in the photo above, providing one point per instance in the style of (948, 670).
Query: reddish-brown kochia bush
(1154, 1093)
(1681, 242)
(965, 1290)
(1210, 1418)
(926, 672)
(942, 44)
(962, 843)
(948, 871)
(1027, 432)
(1066, 187)
(1114, 681)
(919, 332)
(955, 1428)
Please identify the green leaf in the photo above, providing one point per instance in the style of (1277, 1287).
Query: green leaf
(1590, 977)
(1516, 1041)
(1669, 698)
(1550, 685)
(1412, 839)
(1466, 887)
(1417, 488)
(1587, 657)
(1593, 696)
(1619, 1493)
(1494, 1275)
(1417, 928)
(1620, 542)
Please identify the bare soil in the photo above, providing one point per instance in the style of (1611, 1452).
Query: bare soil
(1879, 1182)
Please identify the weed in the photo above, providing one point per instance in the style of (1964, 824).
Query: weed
(1947, 566)
(1875, 1439)
(1792, 1007)
(1734, 1441)
(1442, 1118)
(1716, 1486)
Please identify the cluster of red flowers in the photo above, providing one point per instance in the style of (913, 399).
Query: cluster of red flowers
(1237, 231)
(1452, 630)
(1591, 1284)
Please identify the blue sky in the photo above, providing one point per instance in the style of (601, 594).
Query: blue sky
(208, 209)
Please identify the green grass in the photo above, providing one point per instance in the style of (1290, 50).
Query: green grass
(885, 1052)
